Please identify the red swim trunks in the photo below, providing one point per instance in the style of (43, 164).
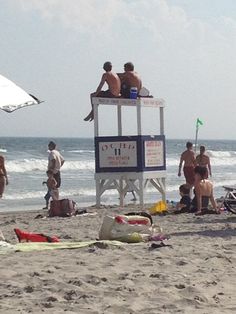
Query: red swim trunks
(189, 175)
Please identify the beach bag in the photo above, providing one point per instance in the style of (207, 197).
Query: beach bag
(62, 208)
(133, 227)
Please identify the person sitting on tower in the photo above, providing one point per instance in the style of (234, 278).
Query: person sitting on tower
(129, 79)
(114, 85)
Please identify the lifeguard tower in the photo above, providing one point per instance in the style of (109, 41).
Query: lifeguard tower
(132, 162)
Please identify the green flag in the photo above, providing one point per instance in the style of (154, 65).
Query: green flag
(199, 122)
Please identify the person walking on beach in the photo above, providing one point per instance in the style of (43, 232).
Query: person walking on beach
(113, 82)
(3, 176)
(188, 158)
(129, 79)
(55, 162)
(203, 160)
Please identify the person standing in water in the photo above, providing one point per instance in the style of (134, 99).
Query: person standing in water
(203, 160)
(188, 158)
(3, 176)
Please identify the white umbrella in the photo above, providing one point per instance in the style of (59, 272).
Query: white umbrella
(12, 97)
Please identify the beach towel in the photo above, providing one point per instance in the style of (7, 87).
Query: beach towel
(24, 236)
(42, 246)
(34, 246)
(6, 247)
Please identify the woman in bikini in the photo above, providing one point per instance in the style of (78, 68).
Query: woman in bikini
(204, 161)
(3, 176)
(203, 190)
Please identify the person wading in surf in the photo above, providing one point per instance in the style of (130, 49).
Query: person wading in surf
(203, 160)
(188, 158)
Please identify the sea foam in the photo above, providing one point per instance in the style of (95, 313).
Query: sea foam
(36, 165)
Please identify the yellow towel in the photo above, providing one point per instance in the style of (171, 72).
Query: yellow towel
(40, 246)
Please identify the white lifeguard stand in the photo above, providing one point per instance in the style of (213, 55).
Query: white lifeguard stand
(129, 163)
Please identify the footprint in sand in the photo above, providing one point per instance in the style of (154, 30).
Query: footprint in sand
(159, 276)
(181, 263)
(94, 280)
(47, 305)
(29, 289)
(70, 295)
(51, 299)
(34, 274)
(123, 276)
(180, 286)
(75, 282)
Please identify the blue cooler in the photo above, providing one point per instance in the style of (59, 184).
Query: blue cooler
(133, 93)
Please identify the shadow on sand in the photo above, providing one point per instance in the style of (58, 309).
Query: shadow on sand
(224, 233)
(210, 219)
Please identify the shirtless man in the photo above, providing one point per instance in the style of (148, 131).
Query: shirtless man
(113, 82)
(188, 158)
(129, 79)
(203, 160)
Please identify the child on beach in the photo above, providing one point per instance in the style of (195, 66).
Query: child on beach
(183, 206)
(53, 191)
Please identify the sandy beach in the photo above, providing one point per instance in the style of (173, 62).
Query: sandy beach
(195, 273)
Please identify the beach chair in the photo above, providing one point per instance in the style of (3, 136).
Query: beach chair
(229, 200)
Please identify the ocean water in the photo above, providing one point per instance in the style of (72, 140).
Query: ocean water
(26, 163)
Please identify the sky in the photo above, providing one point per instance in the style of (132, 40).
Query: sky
(184, 50)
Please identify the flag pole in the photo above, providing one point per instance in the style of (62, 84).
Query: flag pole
(196, 137)
(198, 123)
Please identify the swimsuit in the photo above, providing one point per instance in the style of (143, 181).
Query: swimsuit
(189, 174)
(205, 203)
(106, 94)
